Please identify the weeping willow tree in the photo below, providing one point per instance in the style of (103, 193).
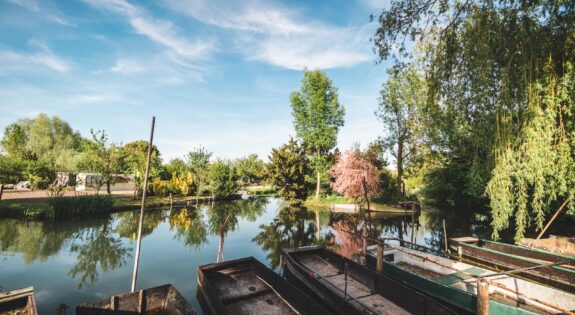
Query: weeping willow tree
(536, 167)
(500, 100)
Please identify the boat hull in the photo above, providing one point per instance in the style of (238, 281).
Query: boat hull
(22, 299)
(395, 292)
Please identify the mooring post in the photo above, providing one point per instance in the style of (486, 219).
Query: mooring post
(1, 190)
(171, 201)
(345, 281)
(445, 238)
(364, 239)
(114, 303)
(379, 258)
(482, 297)
(141, 223)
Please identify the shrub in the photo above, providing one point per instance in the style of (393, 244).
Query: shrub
(68, 207)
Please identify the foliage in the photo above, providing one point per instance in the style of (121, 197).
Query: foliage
(39, 174)
(69, 207)
(251, 170)
(355, 177)
(197, 162)
(182, 184)
(11, 170)
(402, 98)
(318, 115)
(288, 169)
(223, 180)
(103, 159)
(133, 157)
(498, 78)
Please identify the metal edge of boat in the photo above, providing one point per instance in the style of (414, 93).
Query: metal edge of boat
(15, 295)
(284, 289)
(340, 306)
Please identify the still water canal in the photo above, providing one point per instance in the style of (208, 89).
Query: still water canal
(86, 259)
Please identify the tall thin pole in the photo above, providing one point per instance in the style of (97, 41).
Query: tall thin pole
(141, 224)
(554, 216)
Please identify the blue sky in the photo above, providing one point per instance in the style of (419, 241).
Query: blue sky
(214, 73)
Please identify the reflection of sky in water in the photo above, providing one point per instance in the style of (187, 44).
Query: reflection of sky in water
(43, 255)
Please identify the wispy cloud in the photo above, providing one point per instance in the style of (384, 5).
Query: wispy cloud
(280, 36)
(160, 31)
(12, 61)
(127, 66)
(92, 98)
(44, 12)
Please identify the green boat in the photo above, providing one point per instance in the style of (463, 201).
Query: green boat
(506, 256)
(455, 283)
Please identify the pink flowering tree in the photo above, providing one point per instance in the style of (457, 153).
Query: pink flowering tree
(355, 176)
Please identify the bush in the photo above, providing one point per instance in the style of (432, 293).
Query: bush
(68, 207)
(161, 187)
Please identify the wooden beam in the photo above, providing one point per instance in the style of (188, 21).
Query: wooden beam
(554, 216)
(482, 297)
(379, 258)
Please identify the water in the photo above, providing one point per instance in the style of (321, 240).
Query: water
(87, 259)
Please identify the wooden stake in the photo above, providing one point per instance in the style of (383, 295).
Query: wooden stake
(554, 216)
(379, 258)
(1, 190)
(141, 223)
(445, 237)
(482, 297)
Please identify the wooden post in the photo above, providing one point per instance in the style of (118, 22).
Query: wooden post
(482, 297)
(548, 223)
(142, 302)
(379, 258)
(1, 190)
(141, 223)
(171, 201)
(114, 303)
(445, 237)
(364, 239)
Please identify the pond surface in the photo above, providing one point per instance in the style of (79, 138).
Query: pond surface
(87, 259)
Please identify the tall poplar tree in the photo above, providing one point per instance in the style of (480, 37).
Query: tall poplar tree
(318, 115)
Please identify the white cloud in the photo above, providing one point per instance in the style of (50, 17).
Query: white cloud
(12, 61)
(92, 98)
(127, 66)
(160, 31)
(280, 37)
(45, 13)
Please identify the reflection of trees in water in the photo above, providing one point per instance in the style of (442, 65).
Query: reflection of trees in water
(348, 229)
(189, 226)
(99, 251)
(292, 227)
(40, 240)
(128, 222)
(223, 217)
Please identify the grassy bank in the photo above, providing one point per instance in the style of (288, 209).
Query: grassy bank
(69, 207)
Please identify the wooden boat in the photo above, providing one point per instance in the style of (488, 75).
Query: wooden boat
(455, 283)
(508, 257)
(349, 288)
(246, 286)
(18, 302)
(555, 244)
(162, 300)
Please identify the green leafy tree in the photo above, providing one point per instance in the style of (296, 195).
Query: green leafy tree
(223, 179)
(197, 162)
(288, 169)
(318, 115)
(251, 170)
(102, 158)
(133, 157)
(500, 99)
(402, 98)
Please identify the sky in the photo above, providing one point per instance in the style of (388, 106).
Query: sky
(214, 73)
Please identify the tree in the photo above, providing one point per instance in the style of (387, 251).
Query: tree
(288, 169)
(197, 162)
(318, 115)
(500, 96)
(133, 157)
(401, 99)
(355, 177)
(223, 180)
(14, 141)
(250, 169)
(102, 158)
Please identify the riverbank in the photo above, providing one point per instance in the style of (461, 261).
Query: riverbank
(41, 208)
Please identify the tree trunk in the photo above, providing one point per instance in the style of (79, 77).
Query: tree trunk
(317, 188)
(400, 167)
(108, 184)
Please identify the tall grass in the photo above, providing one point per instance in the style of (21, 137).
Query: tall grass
(69, 207)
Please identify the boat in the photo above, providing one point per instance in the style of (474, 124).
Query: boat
(560, 274)
(455, 283)
(346, 287)
(18, 302)
(246, 286)
(555, 244)
(161, 300)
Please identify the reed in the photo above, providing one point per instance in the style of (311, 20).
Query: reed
(69, 207)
